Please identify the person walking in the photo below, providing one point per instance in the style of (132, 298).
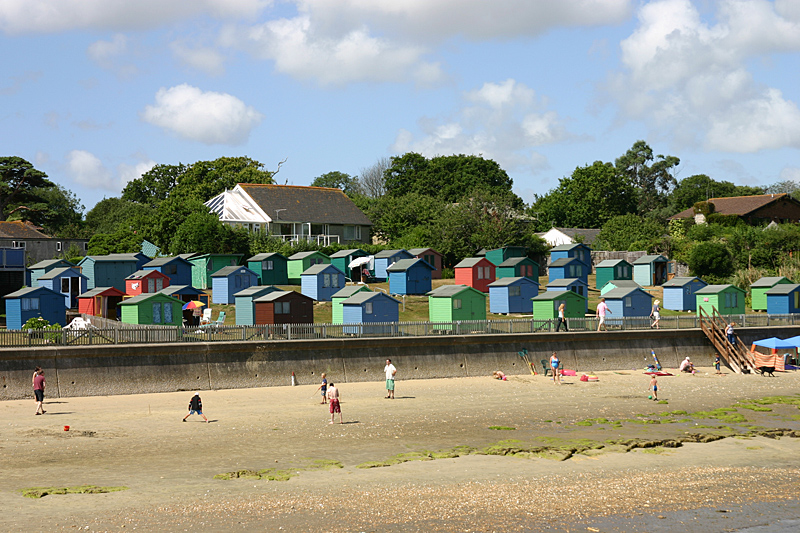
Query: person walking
(38, 390)
(390, 372)
(554, 362)
(333, 400)
(196, 407)
(602, 309)
(324, 388)
(729, 333)
(561, 318)
(655, 314)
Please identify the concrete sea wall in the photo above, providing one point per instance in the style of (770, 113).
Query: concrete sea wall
(135, 369)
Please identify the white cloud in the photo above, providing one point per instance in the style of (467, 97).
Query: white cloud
(790, 173)
(104, 52)
(207, 117)
(501, 121)
(87, 169)
(48, 16)
(691, 79)
(204, 59)
(128, 173)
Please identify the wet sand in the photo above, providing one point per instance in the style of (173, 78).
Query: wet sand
(626, 483)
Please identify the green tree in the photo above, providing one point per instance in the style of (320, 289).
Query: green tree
(711, 260)
(58, 211)
(630, 232)
(650, 175)
(21, 186)
(162, 225)
(202, 232)
(394, 217)
(338, 180)
(588, 198)
(111, 214)
(699, 188)
(123, 241)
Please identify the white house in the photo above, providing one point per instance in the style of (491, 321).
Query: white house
(559, 236)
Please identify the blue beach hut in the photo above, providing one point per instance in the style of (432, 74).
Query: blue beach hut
(568, 267)
(577, 250)
(619, 284)
(177, 269)
(512, 295)
(42, 267)
(631, 302)
(576, 285)
(229, 280)
(245, 307)
(384, 259)
(112, 269)
(33, 302)
(321, 282)
(369, 308)
(341, 296)
(783, 299)
(650, 270)
(679, 293)
(68, 281)
(410, 276)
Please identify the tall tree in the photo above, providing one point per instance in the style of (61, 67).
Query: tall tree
(373, 178)
(652, 176)
(699, 188)
(20, 185)
(111, 214)
(338, 180)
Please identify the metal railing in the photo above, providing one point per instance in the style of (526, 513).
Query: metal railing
(133, 334)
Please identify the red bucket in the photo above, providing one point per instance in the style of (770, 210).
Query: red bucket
(66, 428)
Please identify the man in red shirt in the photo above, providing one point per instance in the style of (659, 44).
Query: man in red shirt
(38, 391)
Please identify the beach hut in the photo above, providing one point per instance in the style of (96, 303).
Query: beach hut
(577, 250)
(187, 293)
(143, 281)
(514, 267)
(272, 268)
(410, 276)
(302, 261)
(568, 267)
(42, 267)
(498, 256)
(759, 288)
(204, 265)
(33, 302)
(342, 295)
(628, 302)
(68, 281)
(100, 301)
(728, 299)
(245, 303)
(650, 270)
(229, 280)
(111, 270)
(386, 258)
(151, 308)
(434, 258)
(342, 260)
(450, 303)
(321, 282)
(476, 272)
(576, 285)
(284, 307)
(177, 269)
(545, 305)
(618, 284)
(512, 295)
(679, 293)
(612, 269)
(370, 308)
(783, 299)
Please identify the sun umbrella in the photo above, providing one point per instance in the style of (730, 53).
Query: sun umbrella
(194, 304)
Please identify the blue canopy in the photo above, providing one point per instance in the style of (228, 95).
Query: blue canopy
(778, 344)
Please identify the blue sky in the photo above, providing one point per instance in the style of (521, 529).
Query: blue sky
(95, 92)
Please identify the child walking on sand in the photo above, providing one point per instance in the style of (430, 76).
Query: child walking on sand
(333, 398)
(654, 386)
(324, 388)
(196, 407)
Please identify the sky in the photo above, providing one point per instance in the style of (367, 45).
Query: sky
(96, 92)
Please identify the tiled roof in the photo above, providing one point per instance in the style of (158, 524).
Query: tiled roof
(318, 205)
(736, 205)
(18, 229)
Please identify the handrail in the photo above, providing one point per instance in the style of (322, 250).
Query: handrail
(735, 355)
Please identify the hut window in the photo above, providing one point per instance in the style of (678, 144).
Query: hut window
(456, 303)
(797, 299)
(238, 281)
(170, 269)
(208, 266)
(431, 260)
(167, 313)
(514, 291)
(282, 308)
(151, 285)
(267, 265)
(334, 281)
(368, 308)
(628, 301)
(326, 280)
(731, 299)
(480, 272)
(64, 284)
(30, 304)
(159, 284)
(59, 246)
(157, 313)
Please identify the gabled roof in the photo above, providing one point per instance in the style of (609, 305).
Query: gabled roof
(768, 281)
(267, 255)
(514, 261)
(28, 290)
(588, 234)
(504, 282)
(58, 271)
(622, 292)
(313, 270)
(563, 282)
(318, 205)
(681, 281)
(390, 253)
(228, 270)
(180, 289)
(348, 252)
(256, 291)
(738, 205)
(116, 257)
(567, 247)
(145, 296)
(47, 263)
(18, 229)
(139, 274)
(97, 291)
(350, 290)
(161, 261)
(405, 264)
(783, 288)
(714, 289)
(555, 295)
(647, 259)
(302, 255)
(622, 283)
(193, 257)
(187, 256)
(608, 263)
(447, 291)
(470, 262)
(420, 251)
(277, 295)
(361, 297)
(565, 261)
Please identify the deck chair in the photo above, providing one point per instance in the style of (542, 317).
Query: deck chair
(206, 317)
(220, 321)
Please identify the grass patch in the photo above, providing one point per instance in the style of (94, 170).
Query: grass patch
(723, 414)
(41, 492)
(275, 474)
(754, 407)
(502, 428)
(663, 402)
(753, 448)
(655, 450)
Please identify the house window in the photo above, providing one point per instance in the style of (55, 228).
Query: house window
(282, 308)
(167, 313)
(256, 227)
(368, 308)
(326, 280)
(514, 291)
(628, 301)
(157, 313)
(352, 233)
(59, 246)
(18, 244)
(456, 303)
(267, 265)
(30, 304)
(85, 246)
(64, 285)
(317, 229)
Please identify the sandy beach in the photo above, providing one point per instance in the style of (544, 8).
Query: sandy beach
(470, 454)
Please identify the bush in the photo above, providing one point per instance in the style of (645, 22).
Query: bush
(41, 329)
(711, 258)
(448, 273)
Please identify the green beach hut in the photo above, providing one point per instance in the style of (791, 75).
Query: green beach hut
(270, 267)
(152, 308)
(343, 258)
(612, 269)
(728, 299)
(449, 303)
(545, 305)
(518, 267)
(498, 255)
(204, 265)
(302, 261)
(759, 288)
(341, 296)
